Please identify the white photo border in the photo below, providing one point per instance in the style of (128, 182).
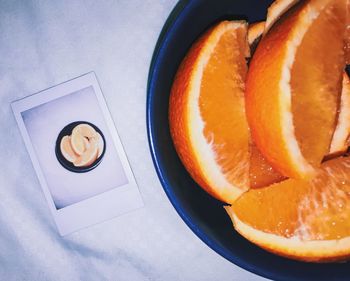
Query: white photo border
(98, 208)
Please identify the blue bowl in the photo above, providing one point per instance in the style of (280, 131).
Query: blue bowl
(203, 214)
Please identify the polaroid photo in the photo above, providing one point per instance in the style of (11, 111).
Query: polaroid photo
(77, 155)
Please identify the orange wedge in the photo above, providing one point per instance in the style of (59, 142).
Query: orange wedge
(342, 131)
(304, 220)
(89, 156)
(79, 133)
(276, 10)
(255, 30)
(261, 172)
(206, 111)
(292, 123)
(67, 150)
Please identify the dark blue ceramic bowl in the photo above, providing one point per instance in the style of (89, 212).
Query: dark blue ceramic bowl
(203, 214)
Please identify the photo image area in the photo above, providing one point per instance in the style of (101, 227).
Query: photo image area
(44, 123)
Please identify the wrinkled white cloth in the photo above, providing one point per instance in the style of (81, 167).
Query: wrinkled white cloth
(44, 43)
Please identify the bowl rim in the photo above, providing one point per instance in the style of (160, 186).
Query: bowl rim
(174, 19)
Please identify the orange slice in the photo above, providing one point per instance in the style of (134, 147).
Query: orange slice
(78, 143)
(206, 111)
(276, 10)
(261, 172)
(255, 30)
(89, 156)
(292, 123)
(304, 220)
(77, 138)
(342, 131)
(67, 150)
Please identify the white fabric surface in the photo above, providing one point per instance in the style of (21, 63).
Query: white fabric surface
(43, 43)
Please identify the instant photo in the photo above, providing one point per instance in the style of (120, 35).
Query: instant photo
(77, 154)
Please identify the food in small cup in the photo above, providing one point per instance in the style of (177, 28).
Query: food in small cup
(83, 147)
